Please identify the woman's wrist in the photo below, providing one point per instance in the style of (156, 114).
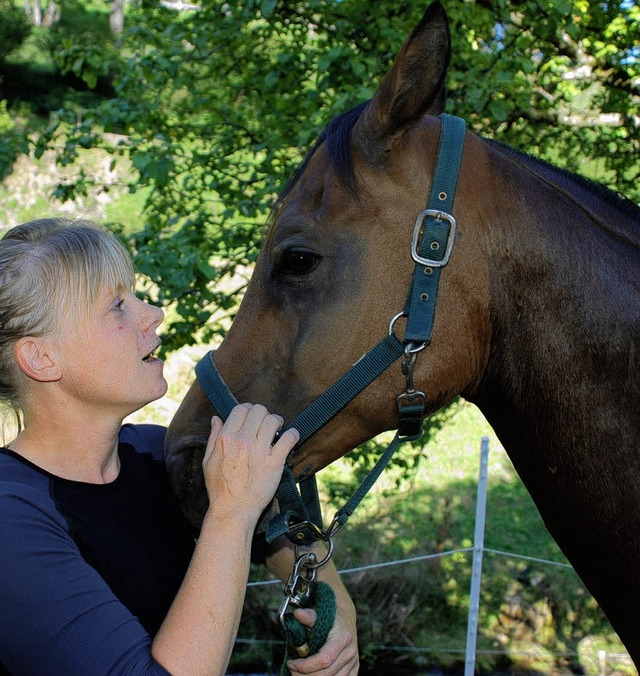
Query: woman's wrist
(229, 517)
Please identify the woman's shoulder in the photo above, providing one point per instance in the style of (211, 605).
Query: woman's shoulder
(16, 470)
(25, 494)
(144, 438)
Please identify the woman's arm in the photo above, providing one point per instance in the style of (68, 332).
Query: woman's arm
(198, 634)
(242, 471)
(339, 655)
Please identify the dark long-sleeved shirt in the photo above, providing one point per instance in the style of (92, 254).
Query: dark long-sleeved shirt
(87, 571)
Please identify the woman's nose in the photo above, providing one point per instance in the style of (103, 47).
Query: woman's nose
(152, 317)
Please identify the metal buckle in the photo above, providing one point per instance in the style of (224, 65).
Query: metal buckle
(415, 242)
(411, 407)
(304, 532)
(307, 528)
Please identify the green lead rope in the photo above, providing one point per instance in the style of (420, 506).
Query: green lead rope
(297, 636)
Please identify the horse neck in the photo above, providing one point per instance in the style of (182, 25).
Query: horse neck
(565, 305)
(614, 214)
(560, 388)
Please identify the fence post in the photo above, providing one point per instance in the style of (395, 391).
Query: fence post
(476, 568)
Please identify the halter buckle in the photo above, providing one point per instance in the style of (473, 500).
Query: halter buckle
(418, 231)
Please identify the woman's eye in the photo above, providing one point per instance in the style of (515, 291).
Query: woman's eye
(298, 262)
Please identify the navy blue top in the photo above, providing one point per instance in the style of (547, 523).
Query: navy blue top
(88, 571)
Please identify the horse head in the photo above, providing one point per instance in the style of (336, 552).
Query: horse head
(335, 267)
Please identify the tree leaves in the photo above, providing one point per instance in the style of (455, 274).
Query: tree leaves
(214, 109)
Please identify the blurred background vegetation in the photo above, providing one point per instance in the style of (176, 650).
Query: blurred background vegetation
(178, 122)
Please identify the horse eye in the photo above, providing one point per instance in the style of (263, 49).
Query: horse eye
(298, 262)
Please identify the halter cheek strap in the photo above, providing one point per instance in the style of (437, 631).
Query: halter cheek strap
(433, 238)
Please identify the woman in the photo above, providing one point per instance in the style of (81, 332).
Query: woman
(98, 571)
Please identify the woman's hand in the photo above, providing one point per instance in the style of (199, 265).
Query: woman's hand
(241, 467)
(339, 655)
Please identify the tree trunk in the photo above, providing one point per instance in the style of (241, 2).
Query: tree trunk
(51, 14)
(116, 17)
(37, 13)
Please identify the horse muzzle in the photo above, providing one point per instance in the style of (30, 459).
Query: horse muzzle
(183, 460)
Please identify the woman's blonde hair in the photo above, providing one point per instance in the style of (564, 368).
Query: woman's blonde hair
(50, 268)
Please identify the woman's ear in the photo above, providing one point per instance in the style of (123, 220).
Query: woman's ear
(36, 358)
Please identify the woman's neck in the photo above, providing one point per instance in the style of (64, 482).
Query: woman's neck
(78, 453)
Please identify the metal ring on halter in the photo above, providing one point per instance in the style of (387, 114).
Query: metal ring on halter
(410, 348)
(318, 564)
(394, 319)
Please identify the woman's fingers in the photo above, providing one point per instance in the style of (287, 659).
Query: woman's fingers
(216, 427)
(237, 417)
(242, 466)
(261, 424)
(256, 421)
(287, 441)
(306, 616)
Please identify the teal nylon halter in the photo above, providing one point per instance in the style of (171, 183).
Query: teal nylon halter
(433, 239)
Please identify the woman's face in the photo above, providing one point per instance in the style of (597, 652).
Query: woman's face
(106, 355)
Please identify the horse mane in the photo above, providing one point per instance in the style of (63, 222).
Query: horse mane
(612, 210)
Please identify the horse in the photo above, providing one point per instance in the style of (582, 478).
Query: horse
(537, 320)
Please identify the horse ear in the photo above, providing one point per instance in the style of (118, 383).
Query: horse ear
(413, 87)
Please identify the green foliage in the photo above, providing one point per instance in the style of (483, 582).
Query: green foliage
(14, 28)
(6, 123)
(12, 141)
(554, 79)
(215, 107)
(81, 43)
(404, 464)
(86, 17)
(82, 56)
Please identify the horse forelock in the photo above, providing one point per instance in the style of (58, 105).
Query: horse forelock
(336, 140)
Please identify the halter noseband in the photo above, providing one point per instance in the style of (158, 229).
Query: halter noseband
(432, 243)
